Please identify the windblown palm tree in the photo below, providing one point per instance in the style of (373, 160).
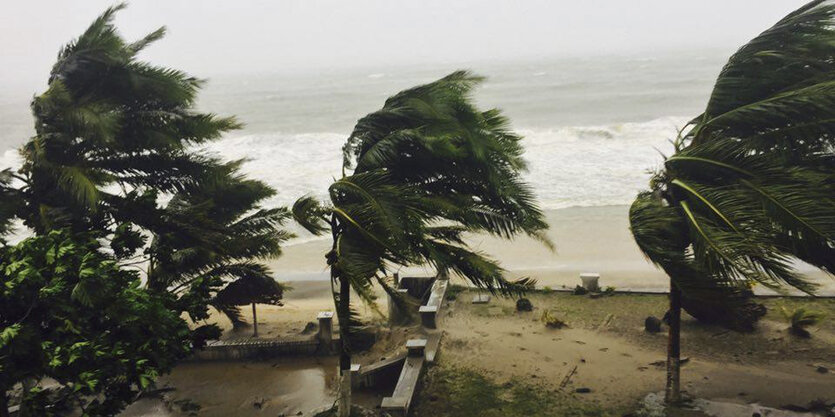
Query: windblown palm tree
(222, 266)
(751, 186)
(111, 133)
(8, 203)
(426, 168)
(114, 137)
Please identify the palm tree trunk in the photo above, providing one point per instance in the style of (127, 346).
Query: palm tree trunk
(344, 307)
(673, 391)
(254, 322)
(4, 404)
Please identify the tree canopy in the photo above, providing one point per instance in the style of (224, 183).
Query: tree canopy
(68, 312)
(751, 186)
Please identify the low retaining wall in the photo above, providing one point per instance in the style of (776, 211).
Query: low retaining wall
(322, 343)
(264, 349)
(421, 353)
(377, 373)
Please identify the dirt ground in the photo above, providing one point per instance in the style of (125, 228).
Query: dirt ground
(606, 351)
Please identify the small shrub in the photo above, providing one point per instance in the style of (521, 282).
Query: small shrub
(552, 321)
(609, 291)
(523, 304)
(547, 289)
(802, 318)
(453, 290)
(580, 290)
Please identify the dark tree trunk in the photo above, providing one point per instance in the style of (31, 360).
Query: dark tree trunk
(673, 391)
(344, 405)
(254, 322)
(344, 308)
(4, 404)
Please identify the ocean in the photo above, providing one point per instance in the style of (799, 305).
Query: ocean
(593, 126)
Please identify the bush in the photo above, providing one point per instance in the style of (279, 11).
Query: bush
(453, 290)
(552, 321)
(68, 312)
(802, 318)
(523, 304)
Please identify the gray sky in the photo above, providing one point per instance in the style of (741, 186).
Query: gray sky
(209, 37)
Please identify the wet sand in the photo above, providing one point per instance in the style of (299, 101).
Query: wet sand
(606, 349)
(588, 239)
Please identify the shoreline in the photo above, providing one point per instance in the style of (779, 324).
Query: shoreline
(588, 239)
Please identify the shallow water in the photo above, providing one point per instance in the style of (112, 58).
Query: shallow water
(245, 388)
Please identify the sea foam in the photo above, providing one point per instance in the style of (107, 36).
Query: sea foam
(569, 166)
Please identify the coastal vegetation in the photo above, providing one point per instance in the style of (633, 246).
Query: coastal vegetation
(749, 188)
(136, 239)
(418, 174)
(126, 210)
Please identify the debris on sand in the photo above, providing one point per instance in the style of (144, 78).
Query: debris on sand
(552, 321)
(652, 324)
(523, 304)
(309, 328)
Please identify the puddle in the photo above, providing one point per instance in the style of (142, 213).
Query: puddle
(244, 388)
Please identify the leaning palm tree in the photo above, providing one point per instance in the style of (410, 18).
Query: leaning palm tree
(750, 188)
(116, 137)
(417, 174)
(112, 134)
(221, 260)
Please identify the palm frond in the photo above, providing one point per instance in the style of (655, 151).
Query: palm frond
(310, 214)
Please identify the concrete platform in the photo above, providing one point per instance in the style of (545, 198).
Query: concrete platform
(398, 404)
(481, 299)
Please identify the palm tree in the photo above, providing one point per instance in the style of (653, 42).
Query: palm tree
(8, 203)
(751, 185)
(417, 174)
(112, 132)
(221, 261)
(115, 137)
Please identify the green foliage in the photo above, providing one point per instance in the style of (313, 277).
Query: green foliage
(116, 156)
(453, 290)
(429, 156)
(115, 139)
(109, 121)
(418, 174)
(219, 262)
(801, 318)
(751, 185)
(69, 313)
(459, 392)
(552, 321)
(8, 203)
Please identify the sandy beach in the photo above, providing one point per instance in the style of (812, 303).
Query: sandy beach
(603, 349)
(587, 239)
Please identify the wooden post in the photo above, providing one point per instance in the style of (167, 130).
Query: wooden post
(673, 391)
(325, 335)
(254, 322)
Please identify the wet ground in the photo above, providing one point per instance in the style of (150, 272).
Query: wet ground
(286, 386)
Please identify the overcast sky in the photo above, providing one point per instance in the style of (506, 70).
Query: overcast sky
(209, 37)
